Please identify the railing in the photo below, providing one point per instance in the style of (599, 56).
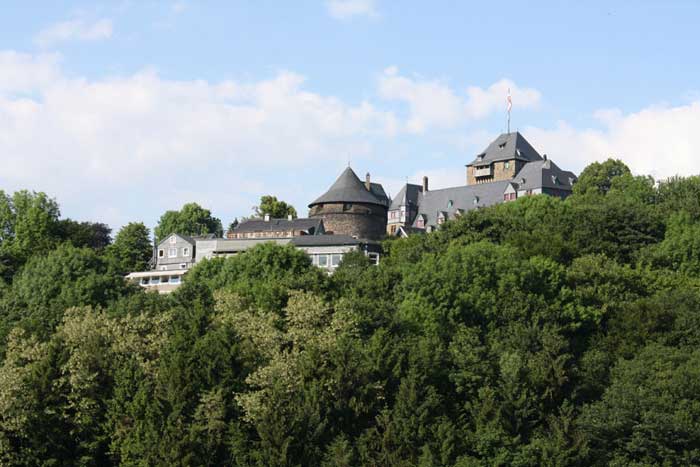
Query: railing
(483, 171)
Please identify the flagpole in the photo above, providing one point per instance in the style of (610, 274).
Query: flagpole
(510, 106)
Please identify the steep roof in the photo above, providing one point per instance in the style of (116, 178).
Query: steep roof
(464, 198)
(348, 188)
(261, 225)
(544, 174)
(507, 146)
(407, 195)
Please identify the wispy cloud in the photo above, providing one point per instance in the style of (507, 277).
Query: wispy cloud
(345, 9)
(74, 30)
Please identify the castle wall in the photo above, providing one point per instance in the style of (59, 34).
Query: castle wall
(357, 220)
(499, 172)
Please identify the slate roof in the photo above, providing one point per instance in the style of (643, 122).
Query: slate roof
(406, 196)
(348, 188)
(261, 225)
(507, 146)
(544, 174)
(466, 198)
(327, 240)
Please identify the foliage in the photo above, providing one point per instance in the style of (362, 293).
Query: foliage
(192, 219)
(598, 177)
(535, 332)
(132, 248)
(273, 207)
(93, 235)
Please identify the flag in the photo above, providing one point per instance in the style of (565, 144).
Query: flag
(510, 101)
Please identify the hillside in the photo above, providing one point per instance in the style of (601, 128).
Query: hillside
(536, 332)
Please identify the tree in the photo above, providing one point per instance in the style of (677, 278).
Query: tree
(132, 248)
(93, 235)
(28, 225)
(49, 284)
(275, 208)
(598, 176)
(192, 219)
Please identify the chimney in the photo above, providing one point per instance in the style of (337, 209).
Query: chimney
(368, 184)
(545, 157)
(425, 184)
(267, 218)
(289, 217)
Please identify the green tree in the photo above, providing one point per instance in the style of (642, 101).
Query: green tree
(598, 176)
(132, 248)
(28, 225)
(650, 413)
(93, 235)
(51, 283)
(273, 207)
(192, 219)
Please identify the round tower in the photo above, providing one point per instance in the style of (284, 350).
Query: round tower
(351, 207)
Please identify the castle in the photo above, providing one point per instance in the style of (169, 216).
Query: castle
(354, 215)
(507, 169)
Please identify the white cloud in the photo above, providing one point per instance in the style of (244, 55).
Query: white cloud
(482, 102)
(75, 29)
(119, 136)
(658, 140)
(26, 73)
(433, 103)
(345, 9)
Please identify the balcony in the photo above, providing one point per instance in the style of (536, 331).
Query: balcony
(483, 171)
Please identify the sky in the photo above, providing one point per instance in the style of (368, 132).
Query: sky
(121, 110)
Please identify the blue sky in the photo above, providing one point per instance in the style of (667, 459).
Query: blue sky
(122, 110)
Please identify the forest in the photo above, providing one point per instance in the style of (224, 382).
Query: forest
(538, 332)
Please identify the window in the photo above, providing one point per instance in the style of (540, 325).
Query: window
(174, 279)
(450, 203)
(335, 260)
(476, 200)
(373, 258)
(420, 222)
(502, 145)
(161, 253)
(347, 207)
(155, 280)
(173, 240)
(172, 252)
(506, 164)
(165, 279)
(144, 281)
(509, 196)
(185, 251)
(323, 261)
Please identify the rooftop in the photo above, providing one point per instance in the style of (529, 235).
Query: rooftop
(348, 188)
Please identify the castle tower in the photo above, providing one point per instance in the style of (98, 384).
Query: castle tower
(351, 207)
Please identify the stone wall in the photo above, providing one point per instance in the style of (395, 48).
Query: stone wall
(357, 220)
(500, 172)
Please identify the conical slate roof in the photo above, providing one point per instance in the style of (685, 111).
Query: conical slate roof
(348, 188)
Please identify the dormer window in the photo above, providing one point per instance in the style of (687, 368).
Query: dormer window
(476, 200)
(555, 180)
(449, 204)
(420, 222)
(502, 145)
